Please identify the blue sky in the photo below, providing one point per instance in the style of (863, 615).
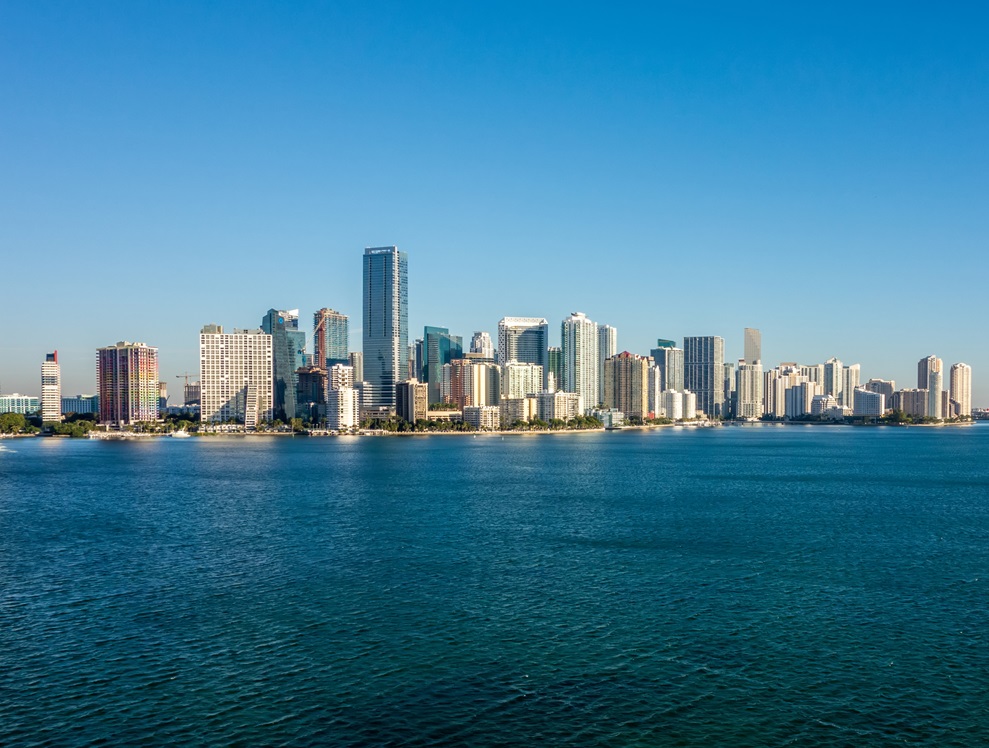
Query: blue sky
(819, 172)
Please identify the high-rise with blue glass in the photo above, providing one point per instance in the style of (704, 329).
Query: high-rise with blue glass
(439, 348)
(288, 349)
(386, 325)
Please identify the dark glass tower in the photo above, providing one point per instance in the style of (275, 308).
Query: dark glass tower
(440, 347)
(288, 349)
(386, 324)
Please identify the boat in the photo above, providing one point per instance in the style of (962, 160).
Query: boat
(181, 434)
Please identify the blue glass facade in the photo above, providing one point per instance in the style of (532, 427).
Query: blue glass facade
(386, 324)
(288, 351)
(439, 347)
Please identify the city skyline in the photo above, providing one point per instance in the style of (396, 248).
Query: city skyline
(802, 156)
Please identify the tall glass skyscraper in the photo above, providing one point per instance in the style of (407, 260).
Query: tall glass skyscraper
(526, 340)
(386, 324)
(439, 348)
(704, 372)
(331, 338)
(288, 350)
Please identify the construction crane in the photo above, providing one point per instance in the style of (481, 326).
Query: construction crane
(185, 390)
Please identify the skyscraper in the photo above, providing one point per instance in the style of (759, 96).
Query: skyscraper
(579, 336)
(753, 346)
(386, 324)
(127, 378)
(331, 338)
(833, 377)
(356, 360)
(524, 339)
(482, 344)
(554, 355)
(935, 384)
(749, 395)
(961, 389)
(607, 347)
(669, 365)
(236, 376)
(851, 377)
(288, 350)
(51, 389)
(704, 372)
(626, 384)
(924, 367)
(439, 348)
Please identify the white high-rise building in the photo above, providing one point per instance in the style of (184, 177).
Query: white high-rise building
(340, 375)
(580, 358)
(481, 344)
(749, 390)
(235, 375)
(607, 347)
(851, 377)
(961, 389)
(343, 409)
(833, 378)
(521, 380)
(51, 389)
(869, 403)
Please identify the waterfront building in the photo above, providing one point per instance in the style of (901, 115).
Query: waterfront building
(833, 380)
(127, 383)
(813, 372)
(81, 404)
(885, 387)
(580, 358)
(525, 339)
(482, 344)
(822, 405)
(51, 389)
(18, 403)
(356, 360)
(412, 400)
(752, 346)
(467, 382)
(868, 403)
(669, 365)
(331, 338)
(655, 392)
(730, 382)
(626, 384)
(340, 376)
(564, 406)
(851, 377)
(386, 324)
(800, 397)
(518, 409)
(343, 409)
(483, 417)
(689, 400)
(749, 396)
(310, 396)
(607, 347)
(961, 389)
(288, 350)
(703, 372)
(520, 379)
(672, 407)
(236, 376)
(912, 402)
(610, 418)
(555, 376)
(935, 385)
(162, 397)
(924, 368)
(440, 348)
(191, 393)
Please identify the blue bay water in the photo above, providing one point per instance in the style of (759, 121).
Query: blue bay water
(733, 586)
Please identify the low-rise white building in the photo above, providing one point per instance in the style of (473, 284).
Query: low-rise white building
(483, 417)
(869, 403)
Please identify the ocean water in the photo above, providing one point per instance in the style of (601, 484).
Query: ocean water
(734, 586)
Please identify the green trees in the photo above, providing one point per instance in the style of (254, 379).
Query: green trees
(12, 423)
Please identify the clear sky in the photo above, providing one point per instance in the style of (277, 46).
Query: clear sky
(819, 171)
